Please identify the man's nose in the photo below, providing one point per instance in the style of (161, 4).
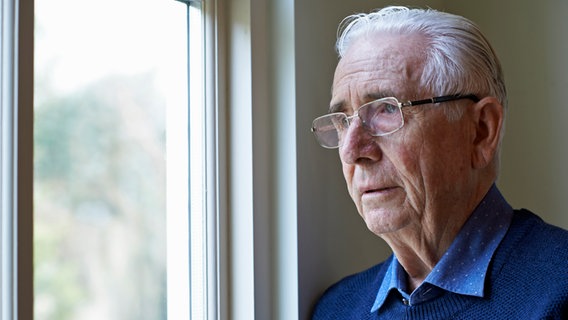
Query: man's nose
(358, 143)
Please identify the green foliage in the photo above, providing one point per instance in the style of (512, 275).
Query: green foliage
(100, 201)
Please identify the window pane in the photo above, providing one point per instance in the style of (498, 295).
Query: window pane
(197, 121)
(107, 75)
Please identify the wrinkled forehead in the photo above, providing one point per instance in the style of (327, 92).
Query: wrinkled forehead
(381, 62)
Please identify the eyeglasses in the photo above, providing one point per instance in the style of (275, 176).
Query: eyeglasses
(380, 117)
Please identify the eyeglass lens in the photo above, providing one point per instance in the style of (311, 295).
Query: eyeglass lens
(379, 117)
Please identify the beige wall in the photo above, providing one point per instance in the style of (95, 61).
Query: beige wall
(533, 45)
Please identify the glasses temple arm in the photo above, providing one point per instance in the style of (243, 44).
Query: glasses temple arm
(442, 99)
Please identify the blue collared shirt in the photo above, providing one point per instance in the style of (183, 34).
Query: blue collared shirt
(463, 267)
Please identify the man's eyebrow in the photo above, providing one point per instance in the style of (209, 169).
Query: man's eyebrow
(340, 106)
(337, 107)
(378, 95)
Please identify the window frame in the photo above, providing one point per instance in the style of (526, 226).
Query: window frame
(214, 175)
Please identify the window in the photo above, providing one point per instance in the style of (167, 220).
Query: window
(249, 194)
(112, 160)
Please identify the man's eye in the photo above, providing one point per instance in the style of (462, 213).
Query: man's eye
(389, 108)
(340, 122)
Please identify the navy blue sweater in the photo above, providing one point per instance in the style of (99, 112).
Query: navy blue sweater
(528, 279)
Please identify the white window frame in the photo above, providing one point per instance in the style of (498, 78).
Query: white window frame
(214, 175)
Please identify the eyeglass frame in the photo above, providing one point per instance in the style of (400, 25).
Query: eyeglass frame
(400, 105)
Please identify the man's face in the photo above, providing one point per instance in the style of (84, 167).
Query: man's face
(411, 178)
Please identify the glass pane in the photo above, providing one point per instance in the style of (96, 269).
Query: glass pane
(108, 76)
(197, 172)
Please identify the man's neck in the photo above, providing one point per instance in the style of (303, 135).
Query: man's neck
(420, 247)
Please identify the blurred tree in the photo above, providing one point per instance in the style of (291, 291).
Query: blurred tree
(100, 202)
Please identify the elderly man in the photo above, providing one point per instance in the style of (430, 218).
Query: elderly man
(417, 113)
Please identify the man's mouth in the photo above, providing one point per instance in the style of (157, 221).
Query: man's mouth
(378, 190)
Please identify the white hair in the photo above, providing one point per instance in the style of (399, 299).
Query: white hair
(459, 59)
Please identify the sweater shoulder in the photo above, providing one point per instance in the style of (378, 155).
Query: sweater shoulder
(537, 239)
(533, 255)
(528, 278)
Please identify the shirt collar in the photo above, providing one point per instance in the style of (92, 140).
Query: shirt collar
(463, 268)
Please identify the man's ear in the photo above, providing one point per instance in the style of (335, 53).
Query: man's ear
(488, 116)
